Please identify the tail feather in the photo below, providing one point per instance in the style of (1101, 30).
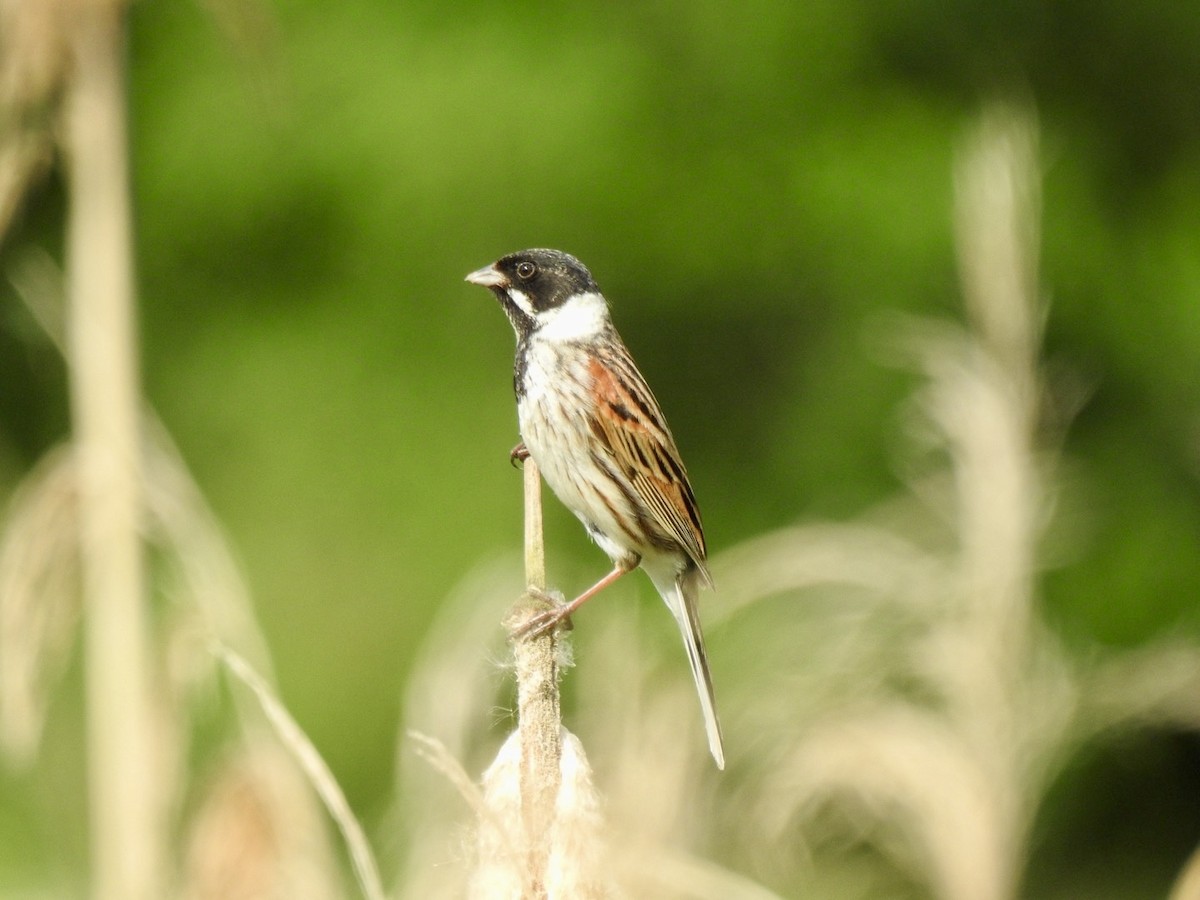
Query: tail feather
(680, 596)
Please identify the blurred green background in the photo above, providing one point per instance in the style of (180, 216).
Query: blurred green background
(755, 187)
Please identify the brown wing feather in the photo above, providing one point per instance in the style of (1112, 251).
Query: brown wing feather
(636, 434)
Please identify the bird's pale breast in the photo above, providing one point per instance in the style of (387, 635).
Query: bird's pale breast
(555, 419)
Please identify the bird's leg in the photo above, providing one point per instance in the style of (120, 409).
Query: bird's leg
(543, 622)
(519, 453)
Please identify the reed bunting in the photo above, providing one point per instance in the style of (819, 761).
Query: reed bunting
(594, 429)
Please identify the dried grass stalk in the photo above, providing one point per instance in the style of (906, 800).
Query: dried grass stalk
(1187, 887)
(315, 770)
(33, 58)
(539, 716)
(39, 599)
(128, 818)
(539, 836)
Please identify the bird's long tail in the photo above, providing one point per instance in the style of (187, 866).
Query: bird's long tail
(680, 596)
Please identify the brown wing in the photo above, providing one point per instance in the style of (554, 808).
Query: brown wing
(631, 426)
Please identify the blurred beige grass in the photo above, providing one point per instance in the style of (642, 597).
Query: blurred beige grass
(97, 517)
(888, 683)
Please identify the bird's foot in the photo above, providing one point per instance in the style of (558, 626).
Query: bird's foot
(518, 454)
(546, 620)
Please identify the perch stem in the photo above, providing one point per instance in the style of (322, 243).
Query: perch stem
(538, 712)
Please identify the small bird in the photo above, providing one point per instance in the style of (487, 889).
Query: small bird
(590, 422)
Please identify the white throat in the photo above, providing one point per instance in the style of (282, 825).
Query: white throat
(581, 317)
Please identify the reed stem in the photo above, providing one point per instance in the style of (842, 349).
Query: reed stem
(539, 716)
(127, 828)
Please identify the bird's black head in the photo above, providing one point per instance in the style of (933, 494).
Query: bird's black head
(533, 284)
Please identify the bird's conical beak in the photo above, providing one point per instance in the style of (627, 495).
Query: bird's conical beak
(486, 277)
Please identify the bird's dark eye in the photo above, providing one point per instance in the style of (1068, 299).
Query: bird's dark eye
(526, 270)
